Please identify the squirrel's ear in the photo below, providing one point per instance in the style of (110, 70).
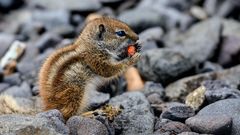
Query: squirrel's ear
(101, 31)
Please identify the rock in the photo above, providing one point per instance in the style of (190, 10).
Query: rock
(16, 50)
(139, 22)
(27, 103)
(210, 7)
(85, 126)
(31, 52)
(173, 128)
(2, 72)
(66, 31)
(40, 58)
(219, 90)
(189, 133)
(208, 67)
(6, 40)
(51, 19)
(104, 120)
(46, 41)
(150, 45)
(19, 91)
(31, 30)
(76, 19)
(198, 12)
(98, 99)
(72, 5)
(13, 79)
(177, 112)
(170, 12)
(228, 107)
(110, 1)
(225, 9)
(7, 5)
(181, 88)
(222, 9)
(196, 98)
(18, 124)
(160, 123)
(217, 124)
(154, 98)
(154, 92)
(151, 38)
(230, 28)
(230, 46)
(35, 90)
(152, 87)
(12, 22)
(25, 68)
(230, 51)
(154, 15)
(3, 87)
(151, 34)
(56, 119)
(136, 110)
(156, 4)
(168, 64)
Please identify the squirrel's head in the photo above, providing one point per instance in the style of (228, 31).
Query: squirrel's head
(110, 35)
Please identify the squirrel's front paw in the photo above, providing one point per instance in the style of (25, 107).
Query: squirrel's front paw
(134, 58)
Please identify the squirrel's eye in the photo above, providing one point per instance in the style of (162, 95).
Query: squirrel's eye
(121, 33)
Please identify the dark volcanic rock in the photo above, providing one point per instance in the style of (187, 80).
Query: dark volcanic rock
(3, 86)
(24, 125)
(219, 90)
(154, 92)
(220, 8)
(190, 133)
(56, 119)
(13, 79)
(230, 47)
(167, 64)
(151, 34)
(228, 107)
(85, 126)
(6, 40)
(179, 90)
(19, 91)
(136, 112)
(208, 67)
(51, 19)
(140, 22)
(98, 99)
(173, 128)
(152, 87)
(72, 5)
(170, 12)
(217, 124)
(46, 41)
(7, 5)
(177, 112)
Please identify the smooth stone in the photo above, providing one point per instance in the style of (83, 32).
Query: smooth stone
(216, 124)
(85, 126)
(136, 112)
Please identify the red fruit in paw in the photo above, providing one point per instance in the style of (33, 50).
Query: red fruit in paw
(131, 50)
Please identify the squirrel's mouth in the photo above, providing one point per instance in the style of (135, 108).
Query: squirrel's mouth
(124, 53)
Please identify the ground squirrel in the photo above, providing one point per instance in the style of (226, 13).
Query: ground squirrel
(99, 54)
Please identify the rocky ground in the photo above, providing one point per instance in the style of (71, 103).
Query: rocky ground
(187, 81)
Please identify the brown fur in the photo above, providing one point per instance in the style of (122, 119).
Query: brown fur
(69, 74)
